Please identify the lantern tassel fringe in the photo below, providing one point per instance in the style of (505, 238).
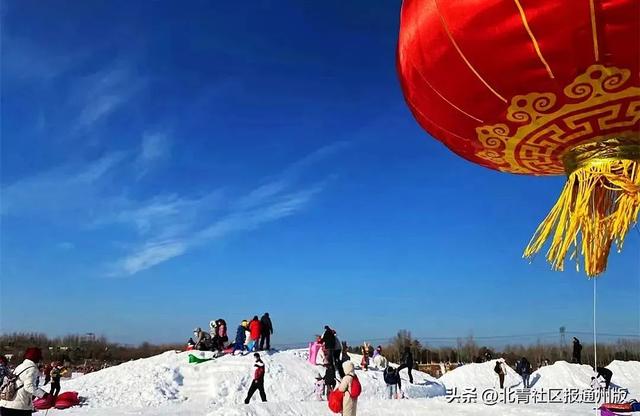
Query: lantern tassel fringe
(599, 204)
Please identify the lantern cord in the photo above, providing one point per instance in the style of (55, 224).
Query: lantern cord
(600, 202)
(595, 343)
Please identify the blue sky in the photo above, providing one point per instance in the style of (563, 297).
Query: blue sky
(166, 163)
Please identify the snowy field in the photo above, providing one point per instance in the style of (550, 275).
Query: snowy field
(168, 385)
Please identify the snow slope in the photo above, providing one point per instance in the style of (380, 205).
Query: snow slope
(169, 377)
(562, 374)
(626, 374)
(479, 375)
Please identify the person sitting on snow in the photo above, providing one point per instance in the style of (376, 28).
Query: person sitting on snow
(221, 334)
(190, 345)
(319, 387)
(202, 339)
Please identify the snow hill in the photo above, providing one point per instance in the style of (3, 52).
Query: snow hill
(222, 384)
(479, 375)
(167, 384)
(560, 375)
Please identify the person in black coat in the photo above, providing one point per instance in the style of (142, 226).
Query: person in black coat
(407, 362)
(333, 354)
(577, 351)
(329, 378)
(266, 329)
(524, 369)
(606, 374)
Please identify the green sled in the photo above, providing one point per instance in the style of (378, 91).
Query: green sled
(195, 360)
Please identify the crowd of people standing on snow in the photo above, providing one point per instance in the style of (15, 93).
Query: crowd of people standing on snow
(333, 355)
(251, 335)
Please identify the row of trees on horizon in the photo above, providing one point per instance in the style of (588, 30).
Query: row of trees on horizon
(78, 349)
(468, 350)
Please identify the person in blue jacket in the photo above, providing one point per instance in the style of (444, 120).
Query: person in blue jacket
(240, 337)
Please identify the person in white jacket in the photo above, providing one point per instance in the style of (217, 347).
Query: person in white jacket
(27, 384)
(349, 404)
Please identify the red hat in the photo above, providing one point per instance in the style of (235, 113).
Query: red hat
(33, 353)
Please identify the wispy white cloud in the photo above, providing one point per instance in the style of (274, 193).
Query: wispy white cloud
(154, 149)
(149, 255)
(165, 225)
(154, 146)
(280, 197)
(156, 250)
(59, 191)
(99, 95)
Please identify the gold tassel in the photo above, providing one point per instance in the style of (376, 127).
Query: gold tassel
(599, 204)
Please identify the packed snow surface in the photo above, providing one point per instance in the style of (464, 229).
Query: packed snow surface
(167, 384)
(479, 375)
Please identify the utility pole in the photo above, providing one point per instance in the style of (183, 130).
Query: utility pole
(563, 342)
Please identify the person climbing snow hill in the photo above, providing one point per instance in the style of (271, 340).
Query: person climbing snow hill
(524, 369)
(606, 375)
(501, 370)
(27, 380)
(407, 362)
(329, 378)
(258, 380)
(333, 355)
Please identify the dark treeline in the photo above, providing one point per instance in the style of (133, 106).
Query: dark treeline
(83, 350)
(468, 350)
(78, 350)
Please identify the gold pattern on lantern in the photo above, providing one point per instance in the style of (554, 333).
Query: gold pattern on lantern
(538, 130)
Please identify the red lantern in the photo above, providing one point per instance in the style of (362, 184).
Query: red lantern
(538, 87)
